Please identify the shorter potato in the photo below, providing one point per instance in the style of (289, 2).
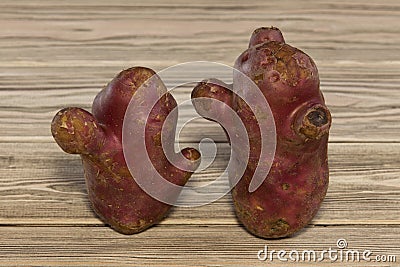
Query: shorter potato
(115, 196)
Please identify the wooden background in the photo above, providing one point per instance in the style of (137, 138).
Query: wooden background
(55, 54)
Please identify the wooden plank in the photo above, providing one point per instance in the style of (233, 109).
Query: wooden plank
(40, 184)
(179, 245)
(60, 54)
(362, 111)
(85, 33)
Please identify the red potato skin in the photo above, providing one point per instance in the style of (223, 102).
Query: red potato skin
(296, 185)
(115, 196)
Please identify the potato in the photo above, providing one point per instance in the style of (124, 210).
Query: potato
(292, 192)
(115, 196)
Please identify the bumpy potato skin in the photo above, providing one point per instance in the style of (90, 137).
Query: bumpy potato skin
(113, 193)
(292, 193)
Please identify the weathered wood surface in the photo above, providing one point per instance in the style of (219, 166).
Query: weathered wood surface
(55, 54)
(41, 183)
(172, 245)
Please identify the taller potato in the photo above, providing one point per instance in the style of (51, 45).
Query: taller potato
(292, 192)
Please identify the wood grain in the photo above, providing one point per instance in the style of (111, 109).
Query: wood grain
(55, 54)
(361, 112)
(173, 245)
(43, 184)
